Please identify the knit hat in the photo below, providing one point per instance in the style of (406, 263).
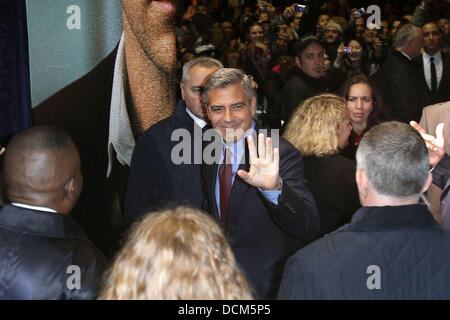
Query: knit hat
(334, 25)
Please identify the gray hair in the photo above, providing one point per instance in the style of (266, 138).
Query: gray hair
(204, 62)
(395, 159)
(405, 34)
(225, 77)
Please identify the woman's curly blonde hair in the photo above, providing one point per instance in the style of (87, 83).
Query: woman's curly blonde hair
(314, 124)
(175, 254)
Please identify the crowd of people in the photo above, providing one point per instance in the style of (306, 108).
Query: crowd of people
(317, 171)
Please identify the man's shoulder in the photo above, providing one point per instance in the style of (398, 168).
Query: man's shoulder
(81, 98)
(440, 108)
(161, 132)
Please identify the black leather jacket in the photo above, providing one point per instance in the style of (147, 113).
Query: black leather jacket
(46, 255)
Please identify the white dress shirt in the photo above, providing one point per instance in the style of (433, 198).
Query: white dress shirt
(438, 65)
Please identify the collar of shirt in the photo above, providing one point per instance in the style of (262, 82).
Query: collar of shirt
(200, 122)
(437, 57)
(405, 55)
(120, 137)
(237, 150)
(27, 206)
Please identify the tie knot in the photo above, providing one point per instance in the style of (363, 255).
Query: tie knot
(227, 158)
(432, 59)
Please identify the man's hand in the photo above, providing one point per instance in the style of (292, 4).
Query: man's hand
(435, 146)
(289, 11)
(264, 165)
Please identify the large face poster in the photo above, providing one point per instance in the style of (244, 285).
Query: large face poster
(67, 38)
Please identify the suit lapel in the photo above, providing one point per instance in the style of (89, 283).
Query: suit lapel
(211, 174)
(239, 188)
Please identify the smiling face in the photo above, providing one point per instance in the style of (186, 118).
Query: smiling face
(360, 103)
(357, 51)
(311, 60)
(192, 88)
(256, 33)
(230, 111)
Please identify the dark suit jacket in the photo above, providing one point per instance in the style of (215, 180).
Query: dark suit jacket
(155, 180)
(262, 235)
(333, 185)
(296, 90)
(37, 250)
(82, 109)
(402, 88)
(443, 93)
(441, 177)
(407, 245)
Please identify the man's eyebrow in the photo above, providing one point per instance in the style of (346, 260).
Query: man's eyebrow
(237, 103)
(231, 105)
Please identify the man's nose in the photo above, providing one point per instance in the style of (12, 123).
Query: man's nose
(318, 61)
(228, 115)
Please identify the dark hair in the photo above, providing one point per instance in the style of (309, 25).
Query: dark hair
(395, 159)
(305, 42)
(379, 113)
(365, 64)
(41, 137)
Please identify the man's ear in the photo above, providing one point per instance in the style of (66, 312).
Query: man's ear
(298, 62)
(253, 106)
(362, 183)
(428, 182)
(182, 90)
(69, 190)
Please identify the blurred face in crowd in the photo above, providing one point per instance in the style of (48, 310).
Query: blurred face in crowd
(201, 10)
(359, 103)
(331, 35)
(228, 28)
(444, 24)
(359, 26)
(408, 17)
(326, 63)
(322, 22)
(343, 132)
(192, 90)
(395, 26)
(281, 42)
(311, 60)
(369, 35)
(432, 37)
(385, 33)
(298, 18)
(256, 33)
(357, 51)
(151, 22)
(229, 108)
(263, 17)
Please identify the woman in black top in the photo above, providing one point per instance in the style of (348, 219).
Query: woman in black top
(365, 109)
(319, 128)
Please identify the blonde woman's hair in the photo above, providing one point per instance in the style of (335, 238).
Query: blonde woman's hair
(175, 254)
(314, 124)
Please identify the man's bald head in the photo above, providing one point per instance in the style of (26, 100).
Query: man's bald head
(42, 168)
